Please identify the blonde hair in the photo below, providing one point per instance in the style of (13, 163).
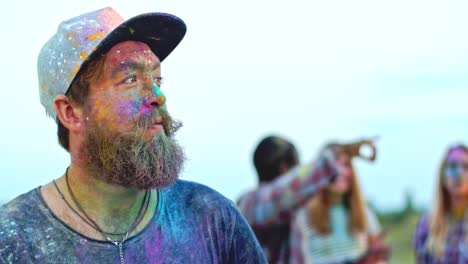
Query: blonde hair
(318, 209)
(438, 221)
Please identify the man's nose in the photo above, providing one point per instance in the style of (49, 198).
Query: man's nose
(157, 98)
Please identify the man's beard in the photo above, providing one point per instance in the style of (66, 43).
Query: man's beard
(130, 161)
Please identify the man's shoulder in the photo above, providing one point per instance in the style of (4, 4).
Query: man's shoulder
(19, 208)
(16, 225)
(217, 218)
(195, 195)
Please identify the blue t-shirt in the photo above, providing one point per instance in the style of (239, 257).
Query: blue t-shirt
(192, 224)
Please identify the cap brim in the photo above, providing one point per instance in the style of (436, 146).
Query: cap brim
(162, 32)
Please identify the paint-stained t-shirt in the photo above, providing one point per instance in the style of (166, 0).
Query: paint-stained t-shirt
(192, 224)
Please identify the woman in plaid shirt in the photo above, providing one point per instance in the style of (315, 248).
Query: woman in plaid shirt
(441, 235)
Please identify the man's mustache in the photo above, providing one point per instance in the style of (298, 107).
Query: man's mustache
(160, 116)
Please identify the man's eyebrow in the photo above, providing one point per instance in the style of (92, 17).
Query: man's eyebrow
(130, 65)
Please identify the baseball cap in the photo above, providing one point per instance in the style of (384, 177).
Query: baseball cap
(85, 37)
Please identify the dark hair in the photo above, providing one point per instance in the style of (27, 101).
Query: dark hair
(270, 154)
(79, 92)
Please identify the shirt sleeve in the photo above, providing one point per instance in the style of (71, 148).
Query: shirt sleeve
(274, 202)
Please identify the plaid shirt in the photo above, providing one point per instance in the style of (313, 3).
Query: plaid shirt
(270, 207)
(456, 247)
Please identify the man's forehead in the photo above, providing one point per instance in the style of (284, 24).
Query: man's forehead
(129, 49)
(131, 54)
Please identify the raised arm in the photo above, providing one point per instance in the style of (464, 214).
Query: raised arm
(274, 202)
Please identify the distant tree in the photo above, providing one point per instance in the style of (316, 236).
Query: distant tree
(409, 204)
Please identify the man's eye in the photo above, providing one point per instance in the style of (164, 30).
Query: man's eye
(130, 80)
(158, 80)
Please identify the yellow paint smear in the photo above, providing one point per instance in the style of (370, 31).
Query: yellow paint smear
(83, 55)
(96, 35)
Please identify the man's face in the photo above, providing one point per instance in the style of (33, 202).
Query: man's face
(456, 172)
(128, 90)
(128, 137)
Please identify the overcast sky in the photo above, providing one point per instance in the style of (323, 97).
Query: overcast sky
(309, 70)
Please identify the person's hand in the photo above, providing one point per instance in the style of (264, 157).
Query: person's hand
(338, 155)
(353, 149)
(378, 251)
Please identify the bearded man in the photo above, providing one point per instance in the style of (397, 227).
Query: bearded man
(120, 200)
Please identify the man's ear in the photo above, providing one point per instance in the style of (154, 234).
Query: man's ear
(68, 113)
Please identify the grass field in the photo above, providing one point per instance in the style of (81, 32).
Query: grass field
(401, 226)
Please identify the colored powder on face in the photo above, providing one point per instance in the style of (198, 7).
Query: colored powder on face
(124, 106)
(160, 98)
(102, 113)
(114, 111)
(452, 173)
(131, 109)
(455, 163)
(118, 76)
(457, 154)
(157, 90)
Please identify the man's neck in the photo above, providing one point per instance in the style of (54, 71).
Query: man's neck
(114, 208)
(97, 195)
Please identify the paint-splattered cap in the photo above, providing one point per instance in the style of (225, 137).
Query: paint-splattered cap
(83, 38)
